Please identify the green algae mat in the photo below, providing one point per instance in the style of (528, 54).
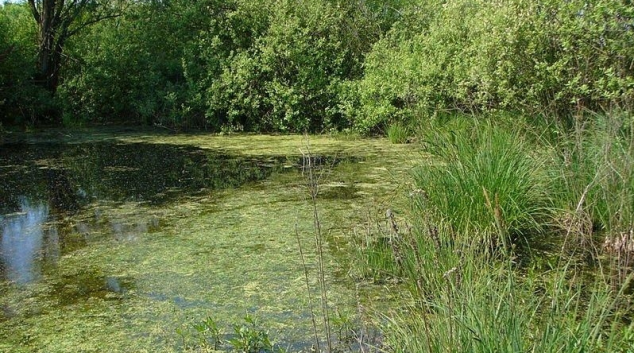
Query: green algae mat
(122, 241)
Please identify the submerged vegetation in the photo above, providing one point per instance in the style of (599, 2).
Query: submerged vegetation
(122, 272)
(500, 219)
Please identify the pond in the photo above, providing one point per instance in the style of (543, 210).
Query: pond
(120, 241)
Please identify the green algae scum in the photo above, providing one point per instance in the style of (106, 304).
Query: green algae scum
(121, 242)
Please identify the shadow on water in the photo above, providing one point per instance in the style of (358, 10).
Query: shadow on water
(41, 185)
(69, 176)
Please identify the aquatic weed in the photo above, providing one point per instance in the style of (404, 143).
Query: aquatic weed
(249, 338)
(207, 331)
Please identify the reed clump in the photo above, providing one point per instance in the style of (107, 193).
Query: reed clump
(519, 242)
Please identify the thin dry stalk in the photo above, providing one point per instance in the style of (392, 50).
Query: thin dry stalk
(360, 312)
(313, 188)
(497, 215)
(310, 296)
(578, 213)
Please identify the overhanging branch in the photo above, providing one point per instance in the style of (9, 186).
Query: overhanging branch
(91, 22)
(34, 11)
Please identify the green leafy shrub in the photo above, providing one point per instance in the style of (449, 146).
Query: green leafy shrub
(21, 100)
(471, 55)
(290, 78)
(267, 66)
(136, 74)
(249, 338)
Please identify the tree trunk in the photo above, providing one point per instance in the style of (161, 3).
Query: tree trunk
(51, 31)
(58, 20)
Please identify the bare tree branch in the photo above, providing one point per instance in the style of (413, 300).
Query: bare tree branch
(36, 13)
(91, 22)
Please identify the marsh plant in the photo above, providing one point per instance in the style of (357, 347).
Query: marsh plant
(484, 180)
(490, 189)
(249, 338)
(594, 174)
(397, 133)
(378, 250)
(472, 258)
(468, 303)
(208, 333)
(245, 337)
(342, 331)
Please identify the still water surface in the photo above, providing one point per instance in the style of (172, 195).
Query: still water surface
(43, 184)
(116, 245)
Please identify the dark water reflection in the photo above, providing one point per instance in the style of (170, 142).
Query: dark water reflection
(69, 176)
(42, 185)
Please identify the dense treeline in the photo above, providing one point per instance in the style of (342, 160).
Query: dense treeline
(318, 64)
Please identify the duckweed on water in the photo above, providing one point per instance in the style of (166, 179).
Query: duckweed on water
(126, 237)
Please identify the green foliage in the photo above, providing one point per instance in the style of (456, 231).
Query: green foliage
(129, 69)
(290, 78)
(207, 336)
(471, 55)
(224, 65)
(376, 258)
(469, 301)
(493, 180)
(466, 303)
(323, 65)
(208, 333)
(592, 167)
(21, 101)
(249, 338)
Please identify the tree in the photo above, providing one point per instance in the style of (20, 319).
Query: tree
(19, 97)
(57, 21)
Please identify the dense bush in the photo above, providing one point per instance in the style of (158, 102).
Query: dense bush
(130, 69)
(324, 64)
(290, 78)
(222, 64)
(554, 57)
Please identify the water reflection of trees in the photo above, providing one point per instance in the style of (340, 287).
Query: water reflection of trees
(47, 193)
(158, 173)
(71, 176)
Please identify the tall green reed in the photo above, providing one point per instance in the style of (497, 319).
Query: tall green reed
(487, 185)
(483, 306)
(594, 171)
(483, 180)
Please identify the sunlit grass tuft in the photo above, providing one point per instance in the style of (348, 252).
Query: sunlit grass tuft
(484, 180)
(397, 133)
